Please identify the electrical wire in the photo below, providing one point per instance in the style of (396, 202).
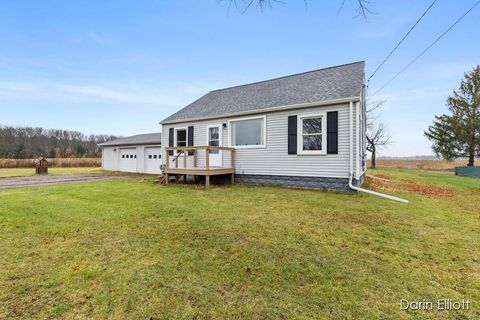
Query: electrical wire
(404, 37)
(426, 49)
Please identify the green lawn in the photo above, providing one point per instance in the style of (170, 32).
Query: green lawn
(128, 249)
(22, 172)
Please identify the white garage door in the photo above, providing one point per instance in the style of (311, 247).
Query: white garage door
(128, 160)
(153, 159)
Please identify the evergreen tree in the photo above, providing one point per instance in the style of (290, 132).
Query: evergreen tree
(458, 135)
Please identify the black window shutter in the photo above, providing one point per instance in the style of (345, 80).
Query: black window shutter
(190, 139)
(332, 132)
(170, 139)
(292, 134)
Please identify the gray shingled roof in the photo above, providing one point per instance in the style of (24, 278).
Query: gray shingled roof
(339, 82)
(147, 138)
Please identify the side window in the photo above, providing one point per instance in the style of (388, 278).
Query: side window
(123, 156)
(311, 134)
(181, 138)
(149, 156)
(155, 156)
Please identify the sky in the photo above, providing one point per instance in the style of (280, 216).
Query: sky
(120, 66)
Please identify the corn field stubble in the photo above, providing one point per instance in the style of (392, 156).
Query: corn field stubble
(54, 162)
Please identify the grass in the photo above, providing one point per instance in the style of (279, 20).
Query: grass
(128, 249)
(23, 172)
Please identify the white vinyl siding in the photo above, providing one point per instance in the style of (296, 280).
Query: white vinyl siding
(274, 159)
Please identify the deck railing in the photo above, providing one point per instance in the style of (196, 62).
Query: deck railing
(185, 161)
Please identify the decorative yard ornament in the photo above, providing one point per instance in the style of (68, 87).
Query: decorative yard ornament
(458, 135)
(41, 165)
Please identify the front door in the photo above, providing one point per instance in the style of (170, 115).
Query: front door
(214, 139)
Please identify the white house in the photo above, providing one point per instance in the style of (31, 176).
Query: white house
(140, 153)
(304, 130)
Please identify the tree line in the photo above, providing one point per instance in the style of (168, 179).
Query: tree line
(30, 142)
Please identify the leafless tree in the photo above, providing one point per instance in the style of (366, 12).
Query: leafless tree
(28, 142)
(363, 6)
(378, 135)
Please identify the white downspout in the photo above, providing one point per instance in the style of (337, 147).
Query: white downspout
(357, 140)
(350, 178)
(386, 196)
(351, 137)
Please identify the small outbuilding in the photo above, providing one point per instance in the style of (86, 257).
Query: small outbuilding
(140, 153)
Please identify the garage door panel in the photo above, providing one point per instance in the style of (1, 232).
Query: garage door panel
(152, 159)
(128, 160)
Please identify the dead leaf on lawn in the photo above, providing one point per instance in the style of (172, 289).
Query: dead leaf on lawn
(410, 185)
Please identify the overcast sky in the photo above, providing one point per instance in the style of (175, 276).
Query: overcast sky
(120, 67)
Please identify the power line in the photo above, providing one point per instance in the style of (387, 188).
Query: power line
(426, 49)
(404, 37)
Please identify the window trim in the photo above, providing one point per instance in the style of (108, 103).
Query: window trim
(230, 131)
(300, 119)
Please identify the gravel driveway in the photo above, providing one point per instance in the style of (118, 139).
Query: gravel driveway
(44, 180)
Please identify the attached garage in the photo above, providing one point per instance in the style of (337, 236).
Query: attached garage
(140, 153)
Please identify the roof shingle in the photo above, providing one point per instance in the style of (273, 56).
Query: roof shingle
(139, 139)
(339, 82)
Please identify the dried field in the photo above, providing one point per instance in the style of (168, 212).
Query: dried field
(56, 162)
(437, 165)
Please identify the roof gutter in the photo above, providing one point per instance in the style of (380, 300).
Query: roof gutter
(272, 109)
(101, 145)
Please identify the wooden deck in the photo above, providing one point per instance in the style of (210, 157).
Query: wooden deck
(178, 164)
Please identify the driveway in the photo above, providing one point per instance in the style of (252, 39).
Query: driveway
(44, 180)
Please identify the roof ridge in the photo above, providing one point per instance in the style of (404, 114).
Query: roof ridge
(142, 134)
(290, 75)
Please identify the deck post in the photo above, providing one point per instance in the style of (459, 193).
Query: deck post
(185, 159)
(207, 181)
(207, 159)
(168, 159)
(232, 177)
(166, 178)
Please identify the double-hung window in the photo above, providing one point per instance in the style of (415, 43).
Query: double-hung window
(312, 134)
(247, 132)
(181, 138)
